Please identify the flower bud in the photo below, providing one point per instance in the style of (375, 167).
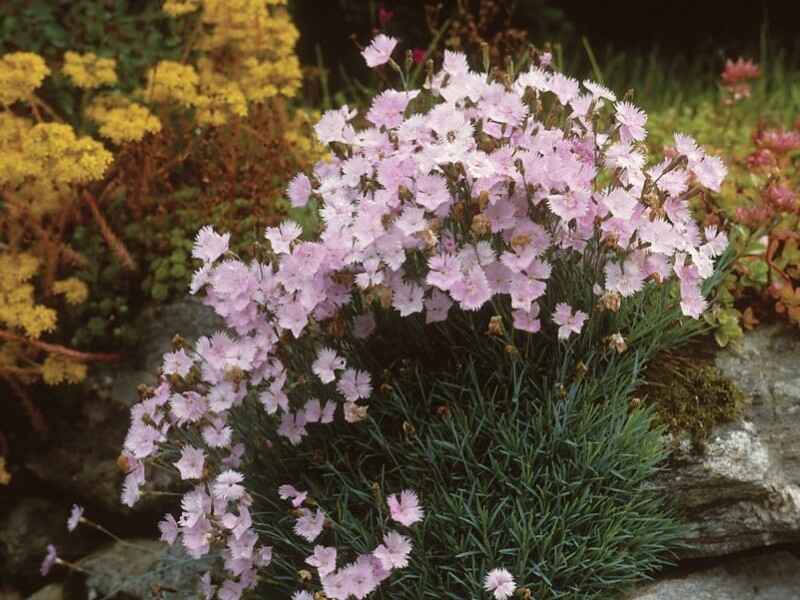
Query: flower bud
(123, 463)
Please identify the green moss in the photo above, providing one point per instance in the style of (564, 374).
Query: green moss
(693, 399)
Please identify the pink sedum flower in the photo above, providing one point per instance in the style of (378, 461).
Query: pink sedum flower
(379, 51)
(405, 509)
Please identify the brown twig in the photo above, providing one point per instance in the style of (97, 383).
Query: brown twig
(105, 357)
(34, 414)
(73, 257)
(116, 245)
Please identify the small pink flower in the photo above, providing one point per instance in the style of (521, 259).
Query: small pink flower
(299, 190)
(324, 559)
(526, 320)
(567, 322)
(501, 583)
(281, 237)
(169, 529)
(407, 298)
(363, 326)
(209, 245)
(354, 385)
(191, 463)
(75, 517)
(226, 486)
(631, 122)
(177, 363)
(405, 509)
(394, 551)
(50, 559)
(309, 525)
(379, 51)
(326, 363)
(206, 589)
(472, 290)
(289, 492)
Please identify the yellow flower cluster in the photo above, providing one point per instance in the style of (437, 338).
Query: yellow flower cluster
(248, 48)
(57, 369)
(17, 307)
(89, 71)
(56, 152)
(171, 81)
(178, 8)
(20, 74)
(48, 152)
(121, 120)
(74, 290)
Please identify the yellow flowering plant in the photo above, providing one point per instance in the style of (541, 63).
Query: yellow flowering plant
(217, 121)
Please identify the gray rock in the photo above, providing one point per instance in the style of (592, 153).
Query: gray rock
(82, 459)
(743, 490)
(137, 569)
(54, 591)
(774, 576)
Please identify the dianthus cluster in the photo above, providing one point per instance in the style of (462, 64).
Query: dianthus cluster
(454, 197)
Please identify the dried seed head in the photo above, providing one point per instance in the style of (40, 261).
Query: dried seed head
(304, 575)
(520, 241)
(429, 238)
(617, 342)
(611, 301)
(495, 326)
(481, 225)
(483, 200)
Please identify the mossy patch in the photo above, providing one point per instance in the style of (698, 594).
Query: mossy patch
(693, 399)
